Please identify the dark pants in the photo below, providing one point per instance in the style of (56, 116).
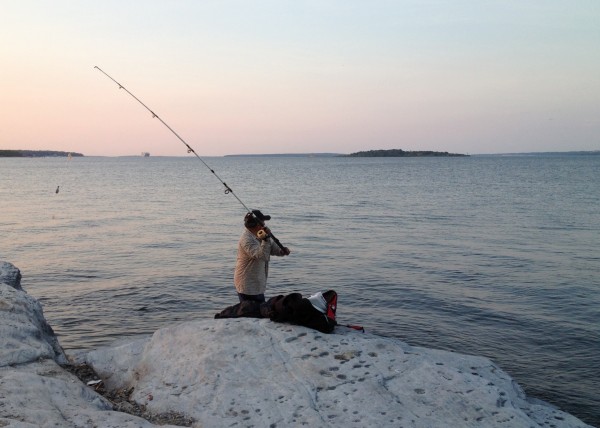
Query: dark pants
(251, 297)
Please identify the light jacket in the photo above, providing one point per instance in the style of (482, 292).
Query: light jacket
(252, 266)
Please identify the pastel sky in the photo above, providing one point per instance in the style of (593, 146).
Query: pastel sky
(293, 76)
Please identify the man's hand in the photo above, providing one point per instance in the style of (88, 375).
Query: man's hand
(286, 251)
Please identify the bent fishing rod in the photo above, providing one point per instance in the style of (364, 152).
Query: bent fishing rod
(228, 189)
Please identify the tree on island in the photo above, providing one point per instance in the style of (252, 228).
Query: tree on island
(400, 153)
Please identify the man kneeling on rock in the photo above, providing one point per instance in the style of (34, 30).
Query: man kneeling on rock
(255, 249)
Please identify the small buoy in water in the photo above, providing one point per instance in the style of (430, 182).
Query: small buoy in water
(57, 189)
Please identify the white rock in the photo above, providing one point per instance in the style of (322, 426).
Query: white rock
(26, 336)
(10, 275)
(35, 391)
(253, 372)
(43, 394)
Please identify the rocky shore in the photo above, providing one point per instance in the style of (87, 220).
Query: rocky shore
(247, 372)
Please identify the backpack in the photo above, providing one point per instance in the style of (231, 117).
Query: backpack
(331, 299)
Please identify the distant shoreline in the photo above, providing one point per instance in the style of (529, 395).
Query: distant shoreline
(571, 153)
(52, 153)
(415, 154)
(35, 154)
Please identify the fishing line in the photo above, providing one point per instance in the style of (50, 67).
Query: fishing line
(228, 189)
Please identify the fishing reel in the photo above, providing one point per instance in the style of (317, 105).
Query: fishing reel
(262, 235)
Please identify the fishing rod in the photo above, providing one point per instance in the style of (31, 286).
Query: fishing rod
(228, 189)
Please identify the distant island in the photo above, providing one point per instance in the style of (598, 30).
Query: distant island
(35, 153)
(400, 153)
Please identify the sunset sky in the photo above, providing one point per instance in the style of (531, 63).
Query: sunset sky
(282, 76)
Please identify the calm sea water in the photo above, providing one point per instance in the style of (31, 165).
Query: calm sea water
(493, 256)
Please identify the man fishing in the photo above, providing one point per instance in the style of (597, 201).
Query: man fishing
(256, 244)
(255, 249)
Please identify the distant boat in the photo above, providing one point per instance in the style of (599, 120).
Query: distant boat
(146, 154)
